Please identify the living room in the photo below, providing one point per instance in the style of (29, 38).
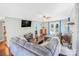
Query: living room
(41, 22)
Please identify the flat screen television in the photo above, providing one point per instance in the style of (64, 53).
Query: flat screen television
(25, 23)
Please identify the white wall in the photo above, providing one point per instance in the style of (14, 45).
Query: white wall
(14, 28)
(74, 28)
(77, 23)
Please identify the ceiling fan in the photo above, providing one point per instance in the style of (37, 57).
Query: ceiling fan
(46, 17)
(42, 18)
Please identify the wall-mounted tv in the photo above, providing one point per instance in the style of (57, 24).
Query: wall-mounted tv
(25, 23)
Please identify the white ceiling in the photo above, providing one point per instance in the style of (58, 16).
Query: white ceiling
(36, 11)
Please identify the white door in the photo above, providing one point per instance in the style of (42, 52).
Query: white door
(1, 30)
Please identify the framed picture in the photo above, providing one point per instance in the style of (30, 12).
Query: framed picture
(57, 25)
(52, 25)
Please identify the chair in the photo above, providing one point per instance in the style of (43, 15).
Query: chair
(54, 46)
